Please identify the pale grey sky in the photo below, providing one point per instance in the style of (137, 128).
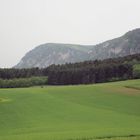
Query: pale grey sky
(24, 24)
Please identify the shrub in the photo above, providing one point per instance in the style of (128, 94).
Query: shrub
(23, 82)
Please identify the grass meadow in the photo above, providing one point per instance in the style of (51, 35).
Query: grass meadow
(109, 111)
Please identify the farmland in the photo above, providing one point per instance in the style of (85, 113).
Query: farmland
(83, 112)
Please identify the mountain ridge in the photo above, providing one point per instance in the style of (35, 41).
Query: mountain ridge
(61, 53)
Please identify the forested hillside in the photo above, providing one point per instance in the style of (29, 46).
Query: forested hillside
(87, 72)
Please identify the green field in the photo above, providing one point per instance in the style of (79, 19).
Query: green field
(108, 111)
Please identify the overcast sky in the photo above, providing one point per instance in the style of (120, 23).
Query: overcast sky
(24, 24)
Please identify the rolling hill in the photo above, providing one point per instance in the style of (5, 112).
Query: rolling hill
(84, 112)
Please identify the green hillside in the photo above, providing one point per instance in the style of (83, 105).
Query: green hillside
(86, 112)
(136, 70)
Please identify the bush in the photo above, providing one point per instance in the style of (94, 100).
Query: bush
(136, 71)
(23, 82)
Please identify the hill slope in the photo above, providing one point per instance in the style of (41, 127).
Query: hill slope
(53, 53)
(71, 112)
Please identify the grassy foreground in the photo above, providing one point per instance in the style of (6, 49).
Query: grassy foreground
(108, 111)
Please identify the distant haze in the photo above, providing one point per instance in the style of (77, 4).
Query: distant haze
(25, 24)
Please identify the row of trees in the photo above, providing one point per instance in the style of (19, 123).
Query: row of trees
(93, 71)
(90, 74)
(19, 73)
(78, 73)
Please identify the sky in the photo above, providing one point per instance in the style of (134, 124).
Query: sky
(25, 24)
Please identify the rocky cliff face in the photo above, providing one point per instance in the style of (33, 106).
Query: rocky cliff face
(53, 53)
(126, 45)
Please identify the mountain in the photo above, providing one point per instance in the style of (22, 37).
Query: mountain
(55, 53)
(127, 44)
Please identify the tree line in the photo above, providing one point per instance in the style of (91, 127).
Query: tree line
(12, 73)
(79, 73)
(90, 74)
(93, 71)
